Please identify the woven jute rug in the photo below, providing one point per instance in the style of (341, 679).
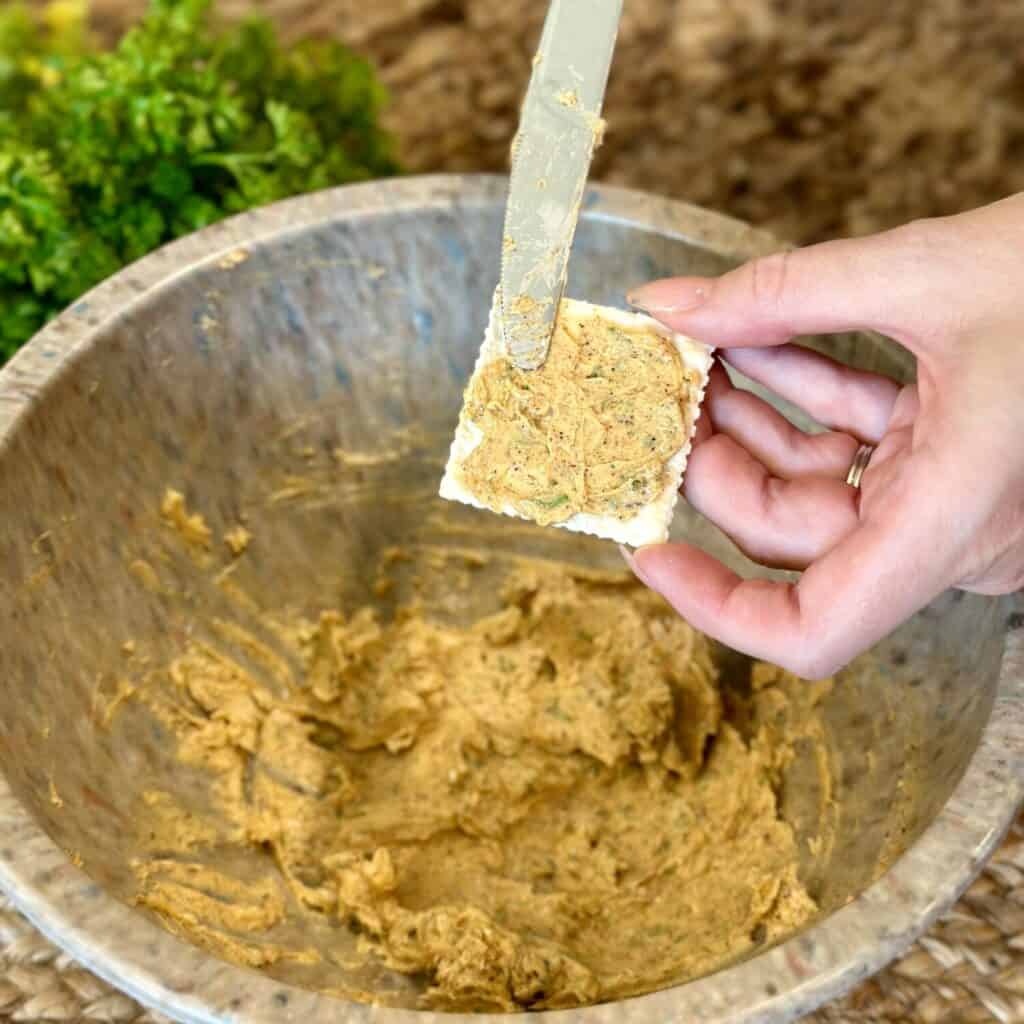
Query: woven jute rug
(811, 117)
(969, 968)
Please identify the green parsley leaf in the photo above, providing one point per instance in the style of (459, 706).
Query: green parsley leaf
(105, 156)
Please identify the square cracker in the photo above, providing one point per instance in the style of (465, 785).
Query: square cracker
(650, 523)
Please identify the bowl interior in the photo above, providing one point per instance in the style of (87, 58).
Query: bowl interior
(237, 383)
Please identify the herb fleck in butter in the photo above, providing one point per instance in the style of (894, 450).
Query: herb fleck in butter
(590, 431)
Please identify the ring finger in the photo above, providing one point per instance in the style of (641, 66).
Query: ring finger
(782, 523)
(783, 449)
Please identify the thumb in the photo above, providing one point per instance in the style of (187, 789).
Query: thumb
(884, 282)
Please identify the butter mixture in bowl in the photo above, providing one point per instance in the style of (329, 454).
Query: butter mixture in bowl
(557, 803)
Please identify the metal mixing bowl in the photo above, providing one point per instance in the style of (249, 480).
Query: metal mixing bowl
(341, 319)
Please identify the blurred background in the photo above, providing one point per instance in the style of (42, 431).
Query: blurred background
(813, 117)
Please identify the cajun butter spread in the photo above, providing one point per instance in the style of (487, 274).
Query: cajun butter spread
(589, 431)
(554, 805)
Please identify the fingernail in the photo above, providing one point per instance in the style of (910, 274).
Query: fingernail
(673, 295)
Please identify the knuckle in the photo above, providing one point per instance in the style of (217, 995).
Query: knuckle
(811, 661)
(768, 280)
(813, 654)
(927, 251)
(770, 494)
(921, 235)
(814, 666)
(932, 245)
(834, 450)
(757, 549)
(929, 255)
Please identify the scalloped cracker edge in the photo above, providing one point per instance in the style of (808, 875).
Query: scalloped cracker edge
(650, 524)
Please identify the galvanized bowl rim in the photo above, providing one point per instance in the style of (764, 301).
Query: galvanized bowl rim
(139, 957)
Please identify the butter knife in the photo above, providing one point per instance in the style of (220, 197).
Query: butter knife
(559, 128)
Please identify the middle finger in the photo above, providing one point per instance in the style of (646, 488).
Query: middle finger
(782, 523)
(837, 396)
(785, 450)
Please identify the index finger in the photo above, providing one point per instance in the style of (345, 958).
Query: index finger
(892, 282)
(870, 582)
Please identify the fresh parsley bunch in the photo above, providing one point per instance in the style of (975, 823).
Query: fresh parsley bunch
(106, 155)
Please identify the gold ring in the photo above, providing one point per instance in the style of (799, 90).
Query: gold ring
(860, 463)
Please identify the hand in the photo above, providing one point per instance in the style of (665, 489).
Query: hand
(942, 501)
